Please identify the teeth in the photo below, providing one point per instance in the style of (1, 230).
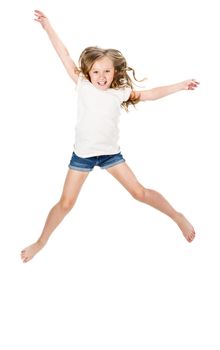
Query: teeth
(102, 82)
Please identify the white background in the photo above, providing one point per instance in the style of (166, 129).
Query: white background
(116, 274)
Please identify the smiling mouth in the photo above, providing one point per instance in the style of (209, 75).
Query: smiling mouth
(102, 83)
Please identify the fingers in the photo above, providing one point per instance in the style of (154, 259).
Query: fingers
(195, 82)
(192, 84)
(25, 257)
(40, 15)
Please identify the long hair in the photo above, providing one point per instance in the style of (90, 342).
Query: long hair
(121, 78)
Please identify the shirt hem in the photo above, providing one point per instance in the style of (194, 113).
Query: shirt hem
(96, 154)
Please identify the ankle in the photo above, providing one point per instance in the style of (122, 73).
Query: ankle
(177, 217)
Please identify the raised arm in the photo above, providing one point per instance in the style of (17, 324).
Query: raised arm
(162, 91)
(61, 50)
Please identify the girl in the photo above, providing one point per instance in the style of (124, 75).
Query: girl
(103, 85)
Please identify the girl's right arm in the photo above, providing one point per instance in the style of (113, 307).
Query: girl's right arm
(61, 50)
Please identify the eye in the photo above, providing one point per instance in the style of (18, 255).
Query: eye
(107, 71)
(95, 71)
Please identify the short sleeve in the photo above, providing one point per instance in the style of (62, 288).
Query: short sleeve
(123, 93)
(81, 79)
(126, 93)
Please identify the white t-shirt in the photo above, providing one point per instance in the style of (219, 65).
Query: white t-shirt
(96, 131)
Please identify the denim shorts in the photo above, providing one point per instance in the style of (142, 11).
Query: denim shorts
(87, 164)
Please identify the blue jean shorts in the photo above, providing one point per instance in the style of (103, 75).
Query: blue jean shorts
(87, 164)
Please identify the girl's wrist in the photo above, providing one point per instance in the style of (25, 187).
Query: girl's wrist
(181, 86)
(46, 25)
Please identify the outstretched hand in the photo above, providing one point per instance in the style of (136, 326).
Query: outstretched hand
(41, 18)
(190, 84)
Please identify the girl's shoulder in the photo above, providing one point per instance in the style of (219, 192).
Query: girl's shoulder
(122, 92)
(82, 80)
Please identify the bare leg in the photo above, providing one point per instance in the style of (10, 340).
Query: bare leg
(72, 186)
(126, 177)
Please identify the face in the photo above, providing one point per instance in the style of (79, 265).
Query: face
(102, 73)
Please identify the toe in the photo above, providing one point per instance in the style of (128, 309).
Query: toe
(192, 236)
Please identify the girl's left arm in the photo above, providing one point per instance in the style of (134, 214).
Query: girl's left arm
(162, 91)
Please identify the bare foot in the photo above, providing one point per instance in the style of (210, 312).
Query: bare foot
(186, 228)
(29, 252)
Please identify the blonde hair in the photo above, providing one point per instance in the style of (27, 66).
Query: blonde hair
(121, 78)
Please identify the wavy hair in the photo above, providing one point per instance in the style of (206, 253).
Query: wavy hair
(121, 78)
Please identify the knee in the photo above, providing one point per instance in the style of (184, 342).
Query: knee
(66, 204)
(139, 193)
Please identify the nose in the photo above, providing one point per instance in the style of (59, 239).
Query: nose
(102, 75)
